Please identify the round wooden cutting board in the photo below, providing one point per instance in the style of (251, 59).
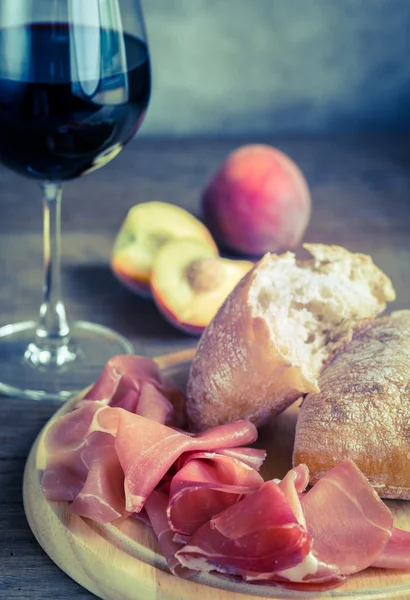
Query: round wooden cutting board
(122, 560)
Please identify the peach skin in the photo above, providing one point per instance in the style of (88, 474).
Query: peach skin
(257, 202)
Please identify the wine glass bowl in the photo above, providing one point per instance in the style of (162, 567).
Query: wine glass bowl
(74, 88)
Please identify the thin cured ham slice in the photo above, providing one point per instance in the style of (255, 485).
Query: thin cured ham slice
(253, 457)
(165, 405)
(396, 555)
(147, 450)
(309, 573)
(83, 467)
(349, 524)
(205, 485)
(122, 369)
(102, 497)
(327, 582)
(260, 534)
(341, 506)
(66, 472)
(135, 383)
(312, 571)
(155, 507)
(296, 479)
(293, 484)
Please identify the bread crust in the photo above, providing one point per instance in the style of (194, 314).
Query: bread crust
(228, 376)
(362, 411)
(239, 372)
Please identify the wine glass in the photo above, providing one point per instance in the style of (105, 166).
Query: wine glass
(74, 88)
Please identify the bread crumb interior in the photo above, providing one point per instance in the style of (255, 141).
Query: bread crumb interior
(311, 306)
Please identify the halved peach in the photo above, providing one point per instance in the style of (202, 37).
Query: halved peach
(146, 228)
(189, 283)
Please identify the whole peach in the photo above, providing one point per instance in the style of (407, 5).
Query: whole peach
(258, 201)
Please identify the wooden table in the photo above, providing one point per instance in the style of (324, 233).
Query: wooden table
(361, 199)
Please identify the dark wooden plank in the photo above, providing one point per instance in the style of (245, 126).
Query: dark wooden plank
(356, 173)
(360, 189)
(25, 570)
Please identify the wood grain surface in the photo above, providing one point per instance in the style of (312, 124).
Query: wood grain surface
(361, 199)
(122, 561)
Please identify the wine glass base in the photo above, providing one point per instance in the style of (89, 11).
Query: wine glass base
(24, 373)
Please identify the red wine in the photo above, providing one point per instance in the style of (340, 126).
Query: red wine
(70, 97)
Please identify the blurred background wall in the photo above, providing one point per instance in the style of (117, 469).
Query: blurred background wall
(232, 67)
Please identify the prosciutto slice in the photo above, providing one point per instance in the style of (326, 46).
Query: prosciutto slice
(147, 450)
(135, 383)
(155, 507)
(293, 484)
(102, 496)
(341, 506)
(311, 573)
(205, 485)
(396, 555)
(260, 534)
(66, 472)
(349, 524)
(253, 457)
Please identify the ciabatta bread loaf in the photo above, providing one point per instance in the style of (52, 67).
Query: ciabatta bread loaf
(270, 339)
(362, 411)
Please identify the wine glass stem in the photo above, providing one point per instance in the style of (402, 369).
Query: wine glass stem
(52, 324)
(51, 346)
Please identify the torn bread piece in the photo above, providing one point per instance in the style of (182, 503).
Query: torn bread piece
(270, 339)
(362, 411)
